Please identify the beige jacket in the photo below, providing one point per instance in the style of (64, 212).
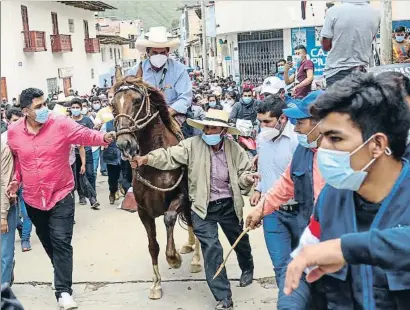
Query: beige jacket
(195, 154)
(7, 164)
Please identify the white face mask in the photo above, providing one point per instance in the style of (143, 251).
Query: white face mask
(158, 60)
(268, 133)
(84, 111)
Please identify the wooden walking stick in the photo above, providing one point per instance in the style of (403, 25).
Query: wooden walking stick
(234, 245)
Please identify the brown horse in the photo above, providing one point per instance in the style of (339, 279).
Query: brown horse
(143, 124)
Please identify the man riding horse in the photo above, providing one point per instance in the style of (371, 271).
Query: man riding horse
(165, 74)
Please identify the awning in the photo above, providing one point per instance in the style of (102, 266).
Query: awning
(96, 6)
(113, 39)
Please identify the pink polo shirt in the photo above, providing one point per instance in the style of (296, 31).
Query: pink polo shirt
(42, 160)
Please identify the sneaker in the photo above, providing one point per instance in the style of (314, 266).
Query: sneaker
(104, 173)
(224, 305)
(25, 246)
(66, 302)
(94, 203)
(83, 201)
(111, 198)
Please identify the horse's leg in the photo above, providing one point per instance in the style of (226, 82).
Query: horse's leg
(196, 258)
(153, 246)
(189, 246)
(173, 258)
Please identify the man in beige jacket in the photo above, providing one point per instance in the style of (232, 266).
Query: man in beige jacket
(218, 168)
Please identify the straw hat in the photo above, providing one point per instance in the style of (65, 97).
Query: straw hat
(214, 118)
(157, 37)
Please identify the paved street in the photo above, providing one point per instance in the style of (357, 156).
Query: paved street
(112, 267)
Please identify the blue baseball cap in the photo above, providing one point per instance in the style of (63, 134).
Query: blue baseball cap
(299, 109)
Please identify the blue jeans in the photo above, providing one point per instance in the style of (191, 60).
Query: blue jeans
(25, 224)
(97, 160)
(7, 246)
(282, 233)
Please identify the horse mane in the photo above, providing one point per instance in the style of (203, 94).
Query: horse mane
(156, 99)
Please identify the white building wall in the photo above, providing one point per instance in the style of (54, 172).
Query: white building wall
(24, 70)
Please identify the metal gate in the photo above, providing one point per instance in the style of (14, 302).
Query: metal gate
(258, 53)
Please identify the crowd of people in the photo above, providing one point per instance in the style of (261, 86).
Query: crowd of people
(329, 177)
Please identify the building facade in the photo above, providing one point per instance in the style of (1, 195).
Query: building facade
(49, 45)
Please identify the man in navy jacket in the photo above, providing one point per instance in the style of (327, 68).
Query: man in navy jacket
(365, 202)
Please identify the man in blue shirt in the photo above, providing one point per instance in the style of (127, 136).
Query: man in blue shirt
(164, 73)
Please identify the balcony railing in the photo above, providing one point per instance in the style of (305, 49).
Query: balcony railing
(61, 43)
(92, 45)
(34, 41)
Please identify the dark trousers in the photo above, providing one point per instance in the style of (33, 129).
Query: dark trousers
(114, 172)
(341, 75)
(126, 175)
(221, 212)
(89, 171)
(54, 228)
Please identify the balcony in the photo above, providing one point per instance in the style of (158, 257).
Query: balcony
(61, 43)
(34, 41)
(92, 45)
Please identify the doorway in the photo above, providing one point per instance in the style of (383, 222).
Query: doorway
(54, 21)
(3, 88)
(67, 86)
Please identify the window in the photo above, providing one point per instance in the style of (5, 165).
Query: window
(71, 25)
(92, 73)
(52, 87)
(86, 32)
(110, 53)
(54, 21)
(131, 44)
(103, 56)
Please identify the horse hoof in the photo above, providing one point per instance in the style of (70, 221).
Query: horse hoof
(155, 293)
(175, 261)
(195, 268)
(186, 249)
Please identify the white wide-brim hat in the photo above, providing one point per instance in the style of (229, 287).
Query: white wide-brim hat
(216, 118)
(157, 37)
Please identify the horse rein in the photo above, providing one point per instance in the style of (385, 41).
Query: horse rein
(139, 124)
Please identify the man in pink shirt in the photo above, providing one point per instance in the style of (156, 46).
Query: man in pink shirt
(301, 181)
(41, 143)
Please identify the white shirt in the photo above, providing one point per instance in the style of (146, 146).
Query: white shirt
(275, 156)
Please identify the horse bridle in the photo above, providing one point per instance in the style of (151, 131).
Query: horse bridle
(137, 124)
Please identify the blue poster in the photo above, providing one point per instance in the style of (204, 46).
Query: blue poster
(405, 23)
(310, 37)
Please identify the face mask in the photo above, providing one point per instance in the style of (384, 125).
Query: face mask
(297, 59)
(75, 112)
(247, 100)
(230, 101)
(399, 39)
(304, 141)
(268, 133)
(281, 69)
(84, 111)
(96, 106)
(42, 115)
(336, 170)
(212, 139)
(212, 104)
(158, 60)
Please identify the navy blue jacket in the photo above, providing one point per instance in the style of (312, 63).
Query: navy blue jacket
(112, 154)
(301, 172)
(368, 282)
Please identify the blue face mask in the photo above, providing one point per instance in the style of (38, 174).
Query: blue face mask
(212, 139)
(212, 104)
(336, 170)
(75, 112)
(281, 69)
(399, 39)
(42, 115)
(304, 141)
(297, 59)
(247, 100)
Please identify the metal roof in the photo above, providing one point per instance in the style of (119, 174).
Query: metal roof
(96, 6)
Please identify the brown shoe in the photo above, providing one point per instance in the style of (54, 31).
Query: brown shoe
(111, 197)
(129, 203)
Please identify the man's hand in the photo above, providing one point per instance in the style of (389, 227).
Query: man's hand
(254, 218)
(255, 198)
(82, 169)
(139, 161)
(253, 177)
(288, 66)
(4, 226)
(327, 256)
(11, 190)
(110, 137)
(172, 111)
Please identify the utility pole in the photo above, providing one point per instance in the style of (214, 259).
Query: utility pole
(386, 32)
(204, 42)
